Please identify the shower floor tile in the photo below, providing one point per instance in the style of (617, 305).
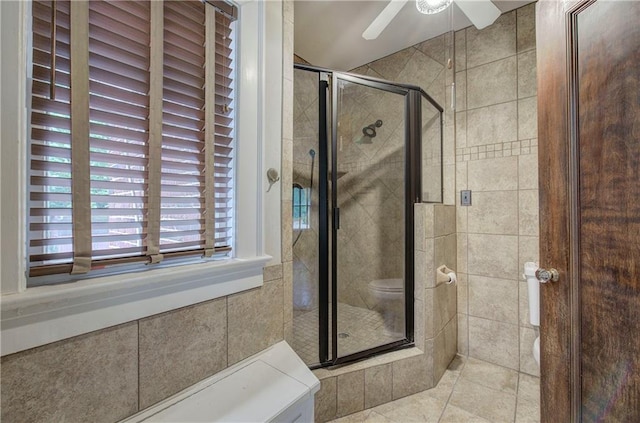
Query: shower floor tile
(359, 329)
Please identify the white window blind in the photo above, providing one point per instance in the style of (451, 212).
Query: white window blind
(132, 149)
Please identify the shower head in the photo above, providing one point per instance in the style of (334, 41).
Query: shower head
(369, 132)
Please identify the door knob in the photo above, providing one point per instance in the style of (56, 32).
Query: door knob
(544, 275)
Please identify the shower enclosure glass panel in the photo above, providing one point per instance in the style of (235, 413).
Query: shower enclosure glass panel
(431, 157)
(306, 230)
(370, 158)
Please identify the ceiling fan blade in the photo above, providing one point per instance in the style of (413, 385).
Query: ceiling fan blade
(481, 13)
(382, 20)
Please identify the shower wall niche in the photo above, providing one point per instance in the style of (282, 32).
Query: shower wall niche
(364, 151)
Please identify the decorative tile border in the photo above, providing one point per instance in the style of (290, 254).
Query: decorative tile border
(503, 149)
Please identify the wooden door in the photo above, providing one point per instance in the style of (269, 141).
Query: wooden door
(589, 166)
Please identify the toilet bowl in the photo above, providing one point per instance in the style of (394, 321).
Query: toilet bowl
(533, 285)
(389, 296)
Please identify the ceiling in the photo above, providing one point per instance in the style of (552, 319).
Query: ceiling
(328, 33)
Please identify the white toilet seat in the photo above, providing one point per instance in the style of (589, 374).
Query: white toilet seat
(387, 285)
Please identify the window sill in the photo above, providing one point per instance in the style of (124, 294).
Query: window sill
(47, 314)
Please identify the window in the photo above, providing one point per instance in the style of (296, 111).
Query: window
(301, 207)
(34, 316)
(132, 150)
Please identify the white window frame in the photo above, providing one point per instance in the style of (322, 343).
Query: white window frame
(40, 315)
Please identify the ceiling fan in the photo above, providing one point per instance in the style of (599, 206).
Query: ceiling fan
(481, 13)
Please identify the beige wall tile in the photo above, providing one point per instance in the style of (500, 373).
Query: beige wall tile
(270, 273)
(287, 291)
(523, 295)
(287, 49)
(287, 231)
(350, 393)
(445, 347)
(492, 43)
(449, 185)
(528, 171)
(435, 48)
(419, 330)
(445, 220)
(495, 342)
(413, 374)
(461, 132)
(93, 377)
(526, 21)
(429, 217)
(527, 362)
(528, 250)
(326, 400)
(528, 216)
(389, 67)
(497, 174)
(462, 248)
(494, 212)
(492, 124)
(445, 305)
(461, 91)
(287, 10)
(461, 50)
(255, 320)
(419, 224)
(493, 298)
(492, 83)
(493, 255)
(446, 252)
(463, 293)
(527, 83)
(180, 348)
(421, 275)
(429, 313)
(463, 334)
(429, 264)
(377, 385)
(420, 70)
(288, 108)
(528, 118)
(461, 218)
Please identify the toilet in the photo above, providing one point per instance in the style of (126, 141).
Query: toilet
(389, 297)
(533, 285)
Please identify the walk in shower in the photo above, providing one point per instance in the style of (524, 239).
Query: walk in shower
(364, 151)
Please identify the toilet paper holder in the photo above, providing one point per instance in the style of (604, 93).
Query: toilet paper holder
(446, 275)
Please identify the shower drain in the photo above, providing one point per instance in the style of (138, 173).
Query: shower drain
(343, 335)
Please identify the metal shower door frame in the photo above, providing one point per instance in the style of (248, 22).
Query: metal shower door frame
(412, 113)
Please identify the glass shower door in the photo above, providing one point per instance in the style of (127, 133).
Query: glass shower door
(368, 193)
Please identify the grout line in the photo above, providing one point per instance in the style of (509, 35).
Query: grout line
(453, 387)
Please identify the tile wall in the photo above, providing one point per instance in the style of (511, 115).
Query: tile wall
(107, 375)
(496, 158)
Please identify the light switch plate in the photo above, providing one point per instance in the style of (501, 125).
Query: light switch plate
(465, 197)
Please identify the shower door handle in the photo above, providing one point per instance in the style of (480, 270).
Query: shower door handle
(336, 217)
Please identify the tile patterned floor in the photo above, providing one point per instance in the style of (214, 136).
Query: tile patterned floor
(471, 391)
(364, 327)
